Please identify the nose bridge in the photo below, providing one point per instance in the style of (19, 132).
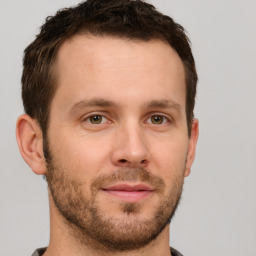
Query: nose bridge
(135, 139)
(132, 148)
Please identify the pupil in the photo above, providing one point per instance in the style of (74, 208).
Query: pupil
(96, 119)
(157, 119)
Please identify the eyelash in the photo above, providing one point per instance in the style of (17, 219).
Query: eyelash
(89, 119)
(165, 120)
(104, 119)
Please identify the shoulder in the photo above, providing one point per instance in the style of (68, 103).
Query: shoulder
(174, 252)
(39, 252)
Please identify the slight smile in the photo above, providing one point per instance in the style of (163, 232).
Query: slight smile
(129, 193)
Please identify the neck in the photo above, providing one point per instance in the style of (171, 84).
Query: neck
(64, 241)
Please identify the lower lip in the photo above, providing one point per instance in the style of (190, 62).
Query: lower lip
(129, 196)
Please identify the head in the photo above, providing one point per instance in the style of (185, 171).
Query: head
(134, 20)
(108, 89)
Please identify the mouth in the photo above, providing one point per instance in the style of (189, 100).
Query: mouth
(129, 192)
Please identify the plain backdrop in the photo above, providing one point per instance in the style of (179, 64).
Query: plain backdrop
(218, 208)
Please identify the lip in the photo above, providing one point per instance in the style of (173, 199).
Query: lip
(129, 192)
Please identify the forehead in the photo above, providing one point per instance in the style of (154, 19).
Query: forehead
(118, 68)
(96, 52)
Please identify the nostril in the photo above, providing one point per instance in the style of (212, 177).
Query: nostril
(143, 162)
(122, 160)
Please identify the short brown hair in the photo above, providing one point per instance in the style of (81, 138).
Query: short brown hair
(132, 19)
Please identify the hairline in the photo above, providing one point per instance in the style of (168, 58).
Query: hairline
(85, 32)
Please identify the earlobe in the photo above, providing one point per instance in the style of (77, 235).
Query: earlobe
(30, 142)
(187, 172)
(192, 146)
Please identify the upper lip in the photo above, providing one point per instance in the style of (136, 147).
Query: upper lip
(128, 187)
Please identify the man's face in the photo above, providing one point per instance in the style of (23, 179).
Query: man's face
(117, 139)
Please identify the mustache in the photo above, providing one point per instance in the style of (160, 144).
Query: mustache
(128, 175)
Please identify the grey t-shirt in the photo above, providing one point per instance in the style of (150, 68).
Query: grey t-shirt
(41, 251)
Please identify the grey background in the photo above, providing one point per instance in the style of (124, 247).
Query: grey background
(218, 208)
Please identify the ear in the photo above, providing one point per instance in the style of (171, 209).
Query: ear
(192, 146)
(30, 142)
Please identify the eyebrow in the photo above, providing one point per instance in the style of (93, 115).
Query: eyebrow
(164, 104)
(95, 102)
(100, 102)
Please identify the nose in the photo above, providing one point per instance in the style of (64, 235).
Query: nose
(130, 148)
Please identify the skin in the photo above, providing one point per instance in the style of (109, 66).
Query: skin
(127, 84)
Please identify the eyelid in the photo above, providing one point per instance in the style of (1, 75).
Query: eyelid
(87, 116)
(168, 119)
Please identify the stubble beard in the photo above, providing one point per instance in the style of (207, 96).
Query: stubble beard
(89, 224)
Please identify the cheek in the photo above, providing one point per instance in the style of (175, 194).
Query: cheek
(81, 157)
(169, 158)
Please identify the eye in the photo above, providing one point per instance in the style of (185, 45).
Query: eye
(96, 119)
(158, 119)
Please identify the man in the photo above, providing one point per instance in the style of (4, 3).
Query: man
(108, 91)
